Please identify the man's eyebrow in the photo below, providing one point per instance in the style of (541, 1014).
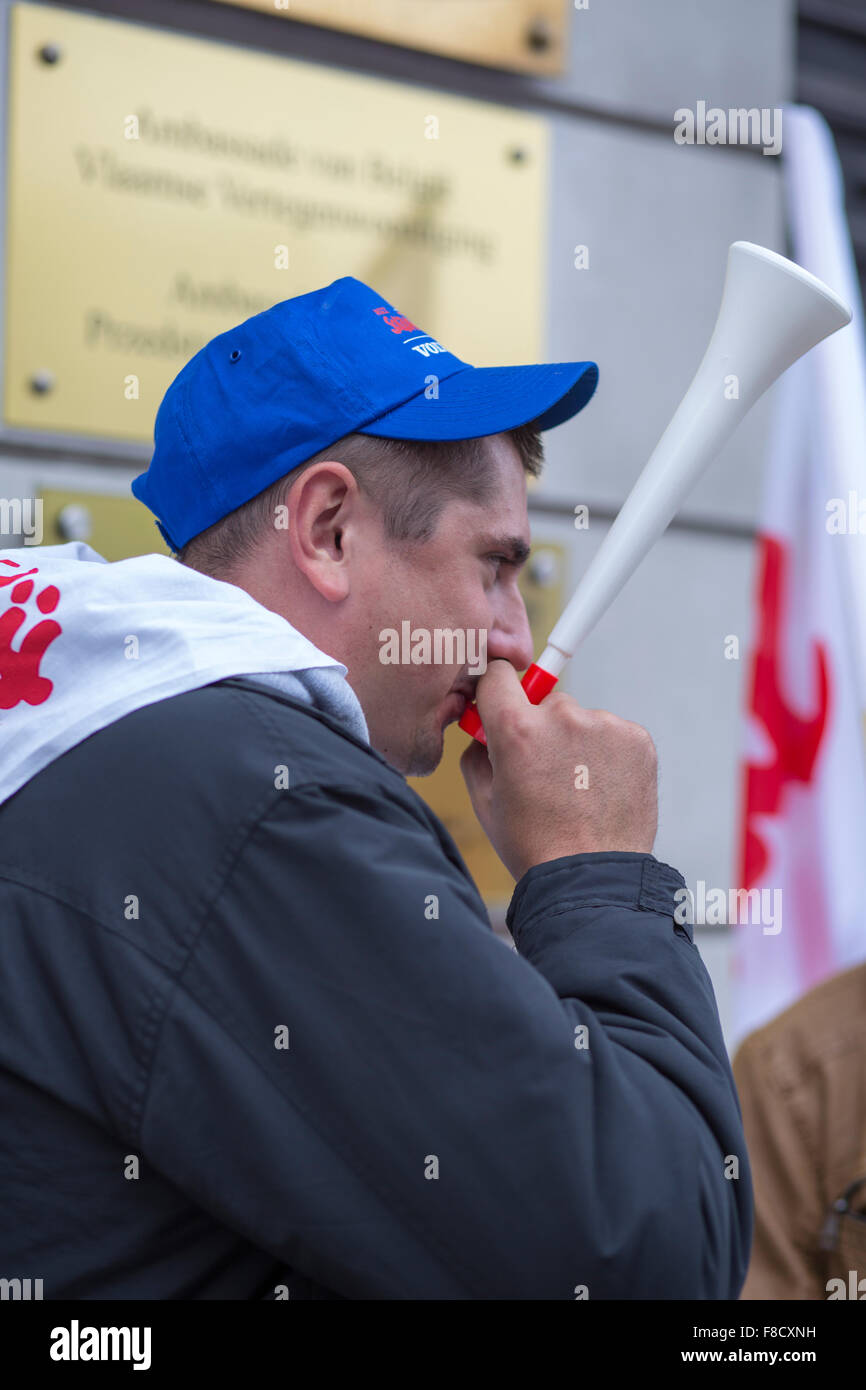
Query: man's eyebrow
(514, 547)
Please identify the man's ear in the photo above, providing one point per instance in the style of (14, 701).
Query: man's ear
(323, 509)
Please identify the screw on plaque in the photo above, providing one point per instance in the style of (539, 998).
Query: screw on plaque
(51, 53)
(74, 522)
(42, 382)
(539, 35)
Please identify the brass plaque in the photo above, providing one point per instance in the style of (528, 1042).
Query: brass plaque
(526, 35)
(542, 583)
(162, 189)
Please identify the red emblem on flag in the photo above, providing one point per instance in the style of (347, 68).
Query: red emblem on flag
(796, 740)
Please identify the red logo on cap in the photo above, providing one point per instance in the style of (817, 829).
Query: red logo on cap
(19, 670)
(398, 323)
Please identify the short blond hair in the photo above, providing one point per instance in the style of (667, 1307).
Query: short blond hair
(409, 480)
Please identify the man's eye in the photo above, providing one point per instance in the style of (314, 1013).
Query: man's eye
(500, 559)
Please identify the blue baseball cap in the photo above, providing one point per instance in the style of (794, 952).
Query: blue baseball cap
(264, 397)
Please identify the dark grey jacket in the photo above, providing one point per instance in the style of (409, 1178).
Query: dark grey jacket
(258, 1037)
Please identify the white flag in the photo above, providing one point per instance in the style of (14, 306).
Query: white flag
(803, 832)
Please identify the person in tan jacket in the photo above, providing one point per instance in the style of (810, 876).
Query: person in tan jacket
(802, 1085)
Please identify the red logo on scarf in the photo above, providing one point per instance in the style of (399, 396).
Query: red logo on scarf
(20, 681)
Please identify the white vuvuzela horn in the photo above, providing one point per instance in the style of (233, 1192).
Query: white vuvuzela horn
(772, 312)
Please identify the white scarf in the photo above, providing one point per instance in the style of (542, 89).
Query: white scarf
(84, 642)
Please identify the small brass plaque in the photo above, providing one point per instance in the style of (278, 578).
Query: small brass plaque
(524, 35)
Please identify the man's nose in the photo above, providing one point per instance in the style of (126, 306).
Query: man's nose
(510, 638)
